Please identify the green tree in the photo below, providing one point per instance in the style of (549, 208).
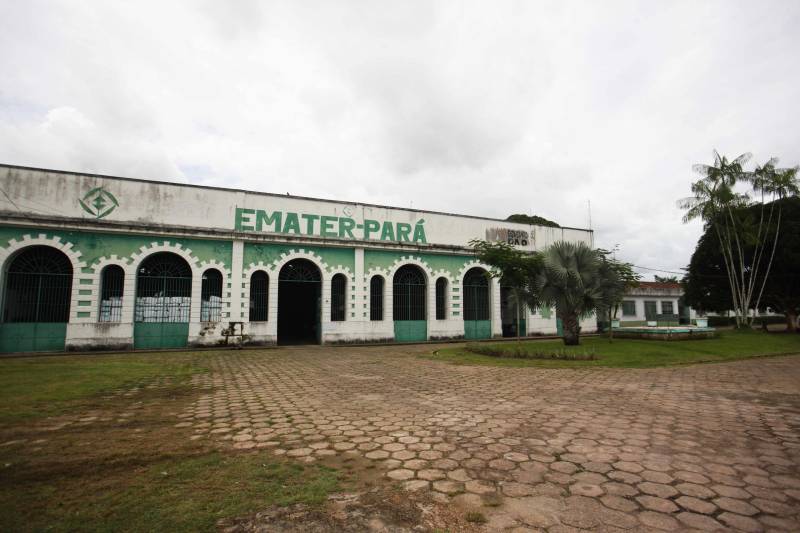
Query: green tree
(516, 269)
(666, 279)
(534, 220)
(706, 281)
(719, 201)
(572, 280)
(616, 277)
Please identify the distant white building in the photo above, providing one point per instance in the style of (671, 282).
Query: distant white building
(654, 301)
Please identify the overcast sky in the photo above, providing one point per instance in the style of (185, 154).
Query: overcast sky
(484, 108)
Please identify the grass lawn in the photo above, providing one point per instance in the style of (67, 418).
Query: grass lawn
(33, 387)
(634, 353)
(136, 472)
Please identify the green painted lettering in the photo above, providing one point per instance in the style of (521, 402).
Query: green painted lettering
(263, 219)
(403, 232)
(346, 226)
(310, 219)
(326, 226)
(242, 217)
(292, 224)
(370, 226)
(419, 231)
(388, 231)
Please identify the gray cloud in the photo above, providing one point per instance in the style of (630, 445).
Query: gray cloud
(464, 107)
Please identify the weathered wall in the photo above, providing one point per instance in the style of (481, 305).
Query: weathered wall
(201, 225)
(154, 203)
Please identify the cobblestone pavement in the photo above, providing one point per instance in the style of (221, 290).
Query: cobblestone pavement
(705, 447)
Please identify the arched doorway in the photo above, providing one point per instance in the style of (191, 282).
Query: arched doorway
(512, 312)
(299, 293)
(409, 304)
(477, 318)
(36, 301)
(163, 302)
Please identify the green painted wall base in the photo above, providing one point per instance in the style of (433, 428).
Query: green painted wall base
(410, 330)
(152, 335)
(33, 337)
(477, 329)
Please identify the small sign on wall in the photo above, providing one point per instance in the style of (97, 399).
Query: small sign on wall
(509, 236)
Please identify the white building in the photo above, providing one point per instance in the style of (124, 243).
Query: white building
(100, 262)
(654, 301)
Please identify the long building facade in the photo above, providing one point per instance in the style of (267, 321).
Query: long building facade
(93, 262)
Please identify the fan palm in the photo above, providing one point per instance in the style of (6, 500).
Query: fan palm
(572, 282)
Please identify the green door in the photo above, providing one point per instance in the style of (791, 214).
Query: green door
(477, 322)
(33, 337)
(163, 302)
(409, 305)
(477, 329)
(156, 335)
(36, 301)
(559, 327)
(410, 330)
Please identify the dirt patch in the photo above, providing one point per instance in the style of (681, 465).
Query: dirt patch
(382, 509)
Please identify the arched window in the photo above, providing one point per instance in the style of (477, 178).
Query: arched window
(112, 283)
(211, 296)
(338, 304)
(441, 299)
(259, 296)
(376, 298)
(38, 286)
(409, 293)
(476, 295)
(163, 289)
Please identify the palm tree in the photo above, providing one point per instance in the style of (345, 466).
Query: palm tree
(714, 201)
(572, 282)
(777, 184)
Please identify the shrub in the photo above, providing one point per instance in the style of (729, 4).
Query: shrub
(530, 352)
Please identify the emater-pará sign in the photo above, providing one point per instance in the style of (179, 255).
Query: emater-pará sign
(328, 226)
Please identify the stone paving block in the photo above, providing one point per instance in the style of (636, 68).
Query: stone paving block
(566, 448)
(742, 523)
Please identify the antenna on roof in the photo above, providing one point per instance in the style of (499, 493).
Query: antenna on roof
(590, 213)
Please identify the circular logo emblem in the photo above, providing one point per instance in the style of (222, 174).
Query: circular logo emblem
(99, 202)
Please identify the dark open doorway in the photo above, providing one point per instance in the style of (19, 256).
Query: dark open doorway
(299, 292)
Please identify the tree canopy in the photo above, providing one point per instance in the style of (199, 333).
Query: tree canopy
(706, 280)
(721, 200)
(535, 220)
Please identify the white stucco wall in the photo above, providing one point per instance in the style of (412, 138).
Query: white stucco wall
(164, 214)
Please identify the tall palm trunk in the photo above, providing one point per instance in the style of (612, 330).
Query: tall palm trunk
(571, 329)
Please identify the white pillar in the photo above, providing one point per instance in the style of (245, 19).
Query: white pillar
(497, 322)
(237, 312)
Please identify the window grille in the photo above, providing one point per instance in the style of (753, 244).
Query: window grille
(338, 286)
(299, 270)
(38, 286)
(666, 308)
(259, 296)
(629, 308)
(211, 296)
(376, 298)
(112, 283)
(163, 289)
(409, 293)
(476, 295)
(441, 299)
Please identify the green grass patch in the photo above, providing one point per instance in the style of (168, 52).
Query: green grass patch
(182, 494)
(627, 353)
(34, 387)
(531, 351)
